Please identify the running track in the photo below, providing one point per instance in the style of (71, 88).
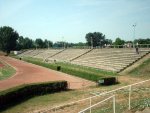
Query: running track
(30, 73)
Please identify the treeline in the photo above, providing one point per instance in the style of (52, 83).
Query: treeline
(11, 40)
(27, 43)
(120, 41)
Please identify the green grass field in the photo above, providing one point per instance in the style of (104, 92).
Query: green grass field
(143, 70)
(6, 71)
(72, 69)
(51, 100)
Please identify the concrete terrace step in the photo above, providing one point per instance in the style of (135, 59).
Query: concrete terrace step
(109, 59)
(112, 55)
(105, 67)
(106, 64)
(123, 60)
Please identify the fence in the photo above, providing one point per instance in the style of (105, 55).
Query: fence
(122, 95)
(129, 87)
(91, 106)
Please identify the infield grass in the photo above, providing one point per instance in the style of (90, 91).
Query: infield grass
(6, 71)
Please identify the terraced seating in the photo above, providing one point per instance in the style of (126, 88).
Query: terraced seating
(68, 54)
(48, 53)
(35, 52)
(25, 53)
(110, 59)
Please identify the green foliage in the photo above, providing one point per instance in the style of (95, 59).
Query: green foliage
(97, 39)
(108, 81)
(76, 70)
(119, 41)
(25, 43)
(18, 94)
(39, 43)
(143, 70)
(8, 39)
(142, 41)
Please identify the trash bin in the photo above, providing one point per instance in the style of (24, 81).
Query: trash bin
(58, 68)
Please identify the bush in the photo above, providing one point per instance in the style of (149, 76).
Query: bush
(107, 81)
(58, 68)
(18, 94)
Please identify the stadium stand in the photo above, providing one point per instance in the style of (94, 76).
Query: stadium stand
(25, 53)
(112, 59)
(68, 54)
(48, 53)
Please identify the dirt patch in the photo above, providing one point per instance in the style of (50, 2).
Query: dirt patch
(30, 73)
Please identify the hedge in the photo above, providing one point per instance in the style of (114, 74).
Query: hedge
(108, 81)
(21, 93)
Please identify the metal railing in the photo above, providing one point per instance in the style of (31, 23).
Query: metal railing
(91, 106)
(54, 109)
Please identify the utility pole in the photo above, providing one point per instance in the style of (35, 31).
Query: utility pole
(91, 43)
(63, 42)
(48, 44)
(134, 25)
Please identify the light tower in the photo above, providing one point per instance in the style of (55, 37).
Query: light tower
(134, 25)
(91, 43)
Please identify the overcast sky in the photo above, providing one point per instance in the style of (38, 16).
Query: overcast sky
(70, 20)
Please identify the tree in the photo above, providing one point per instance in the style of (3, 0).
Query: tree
(95, 39)
(47, 43)
(108, 41)
(20, 43)
(39, 43)
(118, 41)
(142, 41)
(59, 44)
(8, 39)
(28, 43)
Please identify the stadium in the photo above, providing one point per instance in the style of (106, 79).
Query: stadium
(94, 74)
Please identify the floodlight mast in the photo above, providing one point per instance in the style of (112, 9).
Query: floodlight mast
(91, 43)
(48, 44)
(134, 25)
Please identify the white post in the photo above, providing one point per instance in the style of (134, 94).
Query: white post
(129, 97)
(55, 110)
(90, 104)
(114, 104)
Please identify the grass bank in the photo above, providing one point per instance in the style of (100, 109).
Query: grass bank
(142, 70)
(72, 69)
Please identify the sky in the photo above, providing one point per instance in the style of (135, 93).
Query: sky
(71, 20)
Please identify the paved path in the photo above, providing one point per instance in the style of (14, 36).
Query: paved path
(30, 73)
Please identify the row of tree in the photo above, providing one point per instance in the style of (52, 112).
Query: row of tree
(10, 40)
(27, 43)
